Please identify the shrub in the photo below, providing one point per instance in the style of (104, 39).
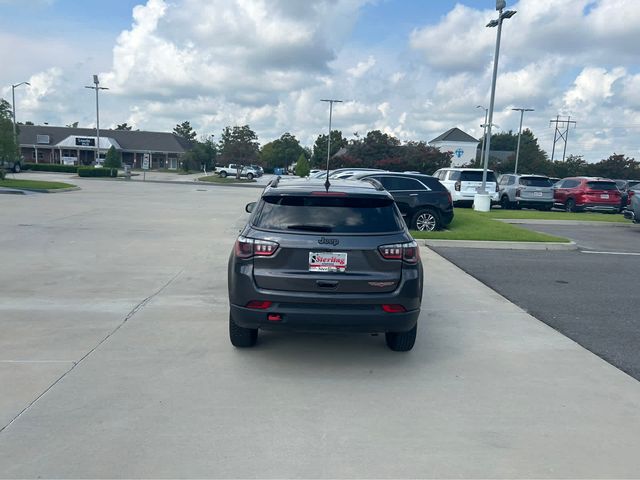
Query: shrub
(302, 166)
(97, 172)
(2, 174)
(49, 167)
(113, 158)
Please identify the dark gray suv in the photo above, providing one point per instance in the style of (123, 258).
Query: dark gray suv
(316, 259)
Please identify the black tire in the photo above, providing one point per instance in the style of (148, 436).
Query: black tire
(223, 174)
(242, 337)
(401, 341)
(16, 168)
(570, 205)
(250, 176)
(426, 220)
(505, 204)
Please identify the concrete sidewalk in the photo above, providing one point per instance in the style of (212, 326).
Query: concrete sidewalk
(136, 376)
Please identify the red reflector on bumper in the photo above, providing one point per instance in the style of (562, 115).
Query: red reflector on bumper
(393, 308)
(258, 304)
(274, 317)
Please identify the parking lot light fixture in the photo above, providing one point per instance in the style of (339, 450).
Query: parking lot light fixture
(13, 105)
(97, 88)
(502, 15)
(521, 110)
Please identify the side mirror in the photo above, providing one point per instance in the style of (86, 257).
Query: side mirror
(250, 206)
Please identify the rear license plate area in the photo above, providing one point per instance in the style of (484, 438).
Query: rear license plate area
(327, 261)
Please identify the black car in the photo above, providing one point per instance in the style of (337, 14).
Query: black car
(423, 201)
(316, 259)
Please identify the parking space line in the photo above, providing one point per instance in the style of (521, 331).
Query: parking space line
(611, 253)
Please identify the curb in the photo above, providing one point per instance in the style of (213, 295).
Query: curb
(22, 190)
(521, 221)
(556, 246)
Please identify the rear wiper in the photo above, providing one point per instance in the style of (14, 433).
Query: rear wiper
(310, 228)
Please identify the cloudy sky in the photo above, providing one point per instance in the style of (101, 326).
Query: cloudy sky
(412, 68)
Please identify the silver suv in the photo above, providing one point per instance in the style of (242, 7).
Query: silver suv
(316, 259)
(529, 191)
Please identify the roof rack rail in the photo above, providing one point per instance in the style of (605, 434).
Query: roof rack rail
(378, 186)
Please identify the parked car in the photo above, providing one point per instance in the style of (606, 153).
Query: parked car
(576, 194)
(624, 186)
(312, 259)
(529, 191)
(14, 166)
(232, 169)
(258, 169)
(464, 183)
(424, 202)
(632, 212)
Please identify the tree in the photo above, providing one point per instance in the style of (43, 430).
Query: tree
(374, 147)
(616, 166)
(185, 131)
(113, 158)
(8, 146)
(572, 166)
(302, 166)
(281, 152)
(201, 155)
(239, 145)
(124, 126)
(319, 157)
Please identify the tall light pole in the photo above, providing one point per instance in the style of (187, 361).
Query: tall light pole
(484, 130)
(500, 5)
(331, 102)
(13, 104)
(97, 88)
(521, 110)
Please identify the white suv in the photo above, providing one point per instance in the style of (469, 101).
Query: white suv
(464, 183)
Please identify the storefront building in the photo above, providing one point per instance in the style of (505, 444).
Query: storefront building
(77, 146)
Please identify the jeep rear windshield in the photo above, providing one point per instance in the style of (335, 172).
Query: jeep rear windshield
(328, 214)
(602, 185)
(535, 182)
(472, 176)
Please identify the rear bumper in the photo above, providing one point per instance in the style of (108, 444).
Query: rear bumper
(325, 318)
(531, 202)
(469, 197)
(598, 207)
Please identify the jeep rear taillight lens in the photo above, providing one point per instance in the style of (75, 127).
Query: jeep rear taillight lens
(249, 247)
(407, 252)
(518, 192)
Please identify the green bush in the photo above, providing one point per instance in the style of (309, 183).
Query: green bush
(97, 172)
(2, 174)
(113, 158)
(49, 167)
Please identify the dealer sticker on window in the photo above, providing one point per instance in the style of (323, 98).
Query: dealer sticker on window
(327, 262)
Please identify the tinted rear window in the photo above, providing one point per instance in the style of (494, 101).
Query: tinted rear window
(535, 182)
(602, 185)
(328, 214)
(473, 176)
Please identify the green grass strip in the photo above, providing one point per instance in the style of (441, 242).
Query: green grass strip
(472, 225)
(34, 184)
(218, 179)
(536, 215)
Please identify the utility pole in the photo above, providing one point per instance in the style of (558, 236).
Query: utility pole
(331, 102)
(561, 133)
(13, 106)
(521, 110)
(97, 88)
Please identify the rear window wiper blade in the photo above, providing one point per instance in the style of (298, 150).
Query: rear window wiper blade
(310, 228)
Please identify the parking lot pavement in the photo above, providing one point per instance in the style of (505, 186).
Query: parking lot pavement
(115, 345)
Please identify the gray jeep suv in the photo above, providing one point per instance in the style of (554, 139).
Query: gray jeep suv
(529, 191)
(316, 259)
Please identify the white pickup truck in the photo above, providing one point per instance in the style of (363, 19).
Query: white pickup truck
(232, 171)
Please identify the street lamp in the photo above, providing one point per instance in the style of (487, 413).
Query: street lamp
(331, 102)
(13, 104)
(97, 88)
(502, 15)
(521, 110)
(484, 130)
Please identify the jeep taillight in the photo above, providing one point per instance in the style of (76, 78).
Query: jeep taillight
(456, 186)
(518, 192)
(408, 252)
(249, 247)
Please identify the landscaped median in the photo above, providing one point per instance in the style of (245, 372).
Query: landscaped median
(560, 216)
(226, 180)
(476, 226)
(36, 185)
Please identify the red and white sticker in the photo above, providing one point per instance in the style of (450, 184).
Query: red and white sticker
(327, 262)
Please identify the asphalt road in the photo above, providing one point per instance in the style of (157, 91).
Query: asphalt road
(590, 295)
(115, 363)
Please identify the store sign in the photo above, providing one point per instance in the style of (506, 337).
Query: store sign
(85, 142)
(146, 158)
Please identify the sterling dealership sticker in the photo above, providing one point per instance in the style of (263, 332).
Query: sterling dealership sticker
(327, 262)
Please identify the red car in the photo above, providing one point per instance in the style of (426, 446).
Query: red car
(576, 194)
